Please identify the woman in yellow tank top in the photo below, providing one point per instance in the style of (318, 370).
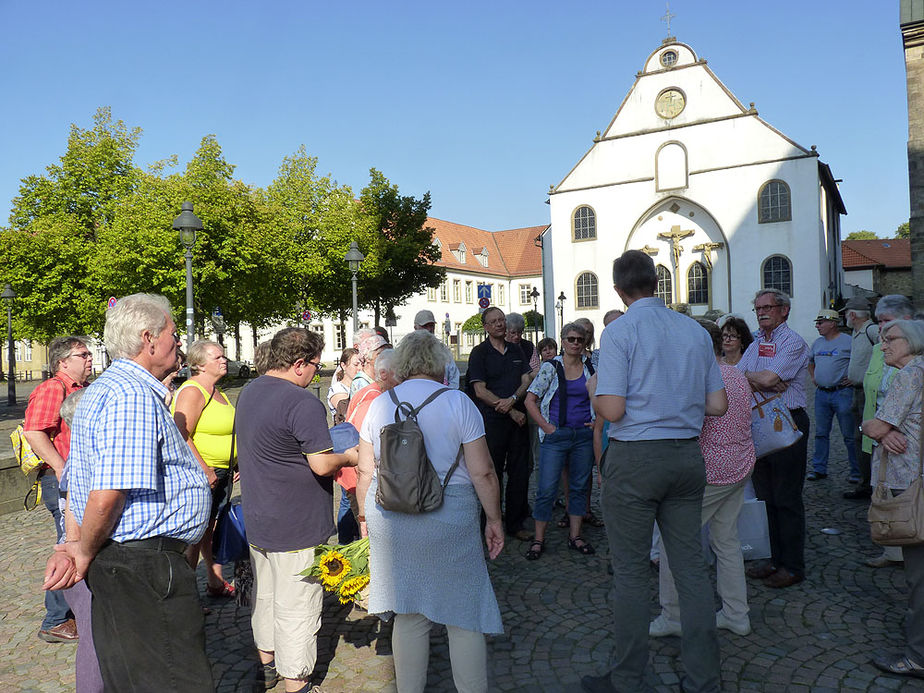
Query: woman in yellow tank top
(205, 417)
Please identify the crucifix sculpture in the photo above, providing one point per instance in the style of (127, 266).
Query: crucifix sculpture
(674, 236)
(706, 249)
(668, 16)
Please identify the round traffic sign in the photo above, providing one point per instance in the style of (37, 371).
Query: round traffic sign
(306, 316)
(111, 302)
(484, 302)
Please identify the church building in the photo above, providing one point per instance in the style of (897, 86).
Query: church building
(723, 202)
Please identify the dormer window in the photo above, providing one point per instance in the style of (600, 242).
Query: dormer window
(482, 255)
(458, 251)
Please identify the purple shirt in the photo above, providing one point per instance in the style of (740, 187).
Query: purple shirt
(787, 355)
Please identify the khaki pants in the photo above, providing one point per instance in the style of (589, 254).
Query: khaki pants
(410, 642)
(286, 610)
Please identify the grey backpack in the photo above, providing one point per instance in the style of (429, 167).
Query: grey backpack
(407, 481)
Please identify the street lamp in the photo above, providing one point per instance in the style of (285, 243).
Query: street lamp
(534, 294)
(187, 224)
(353, 258)
(8, 295)
(561, 308)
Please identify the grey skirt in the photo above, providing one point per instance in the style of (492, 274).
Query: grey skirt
(433, 563)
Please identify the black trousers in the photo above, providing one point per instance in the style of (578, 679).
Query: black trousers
(778, 480)
(148, 627)
(509, 448)
(864, 459)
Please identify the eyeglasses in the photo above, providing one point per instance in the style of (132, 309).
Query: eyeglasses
(730, 337)
(317, 365)
(176, 337)
(888, 340)
(574, 340)
(82, 354)
(767, 308)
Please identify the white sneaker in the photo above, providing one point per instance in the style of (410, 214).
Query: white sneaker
(722, 621)
(662, 627)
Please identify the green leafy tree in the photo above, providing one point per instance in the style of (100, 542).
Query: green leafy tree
(473, 324)
(401, 256)
(862, 235)
(903, 230)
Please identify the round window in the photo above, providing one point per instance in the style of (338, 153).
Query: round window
(669, 58)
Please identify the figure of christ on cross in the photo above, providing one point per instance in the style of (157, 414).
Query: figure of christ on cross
(674, 237)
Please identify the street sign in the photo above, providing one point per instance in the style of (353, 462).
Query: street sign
(484, 303)
(306, 316)
(484, 291)
(111, 302)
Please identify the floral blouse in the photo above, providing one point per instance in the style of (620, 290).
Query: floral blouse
(902, 409)
(545, 385)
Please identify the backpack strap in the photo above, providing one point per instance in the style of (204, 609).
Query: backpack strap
(562, 392)
(588, 364)
(866, 332)
(409, 411)
(452, 468)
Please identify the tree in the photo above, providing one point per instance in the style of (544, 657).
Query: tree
(473, 324)
(401, 257)
(903, 230)
(862, 235)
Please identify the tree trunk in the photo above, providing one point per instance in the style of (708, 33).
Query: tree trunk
(253, 332)
(237, 341)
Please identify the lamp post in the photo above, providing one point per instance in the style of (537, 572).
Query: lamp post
(534, 294)
(561, 308)
(353, 258)
(8, 295)
(187, 224)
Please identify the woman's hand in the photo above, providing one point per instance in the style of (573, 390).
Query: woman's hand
(211, 476)
(894, 442)
(549, 429)
(494, 538)
(363, 531)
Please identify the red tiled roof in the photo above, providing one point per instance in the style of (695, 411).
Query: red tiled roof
(510, 253)
(893, 253)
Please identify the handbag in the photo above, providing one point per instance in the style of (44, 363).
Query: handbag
(772, 426)
(229, 542)
(898, 520)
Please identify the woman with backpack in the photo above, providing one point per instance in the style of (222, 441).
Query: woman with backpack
(428, 566)
(558, 402)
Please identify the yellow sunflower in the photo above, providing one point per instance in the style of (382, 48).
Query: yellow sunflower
(350, 587)
(334, 566)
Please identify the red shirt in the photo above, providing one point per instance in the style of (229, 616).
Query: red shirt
(726, 442)
(43, 412)
(356, 412)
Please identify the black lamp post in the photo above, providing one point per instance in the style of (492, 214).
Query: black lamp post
(534, 294)
(561, 308)
(8, 295)
(187, 224)
(353, 258)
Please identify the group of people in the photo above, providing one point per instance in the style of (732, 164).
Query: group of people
(661, 410)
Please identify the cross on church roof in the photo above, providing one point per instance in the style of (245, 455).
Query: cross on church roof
(668, 16)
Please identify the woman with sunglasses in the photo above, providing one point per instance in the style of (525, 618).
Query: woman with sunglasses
(558, 402)
(736, 338)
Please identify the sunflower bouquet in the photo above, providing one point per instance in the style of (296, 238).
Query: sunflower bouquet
(343, 570)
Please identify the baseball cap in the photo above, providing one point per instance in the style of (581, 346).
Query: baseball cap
(370, 344)
(424, 317)
(857, 303)
(827, 314)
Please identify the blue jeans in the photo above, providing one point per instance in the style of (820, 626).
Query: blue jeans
(56, 609)
(828, 405)
(571, 446)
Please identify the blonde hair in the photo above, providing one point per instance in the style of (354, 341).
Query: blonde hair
(420, 353)
(198, 353)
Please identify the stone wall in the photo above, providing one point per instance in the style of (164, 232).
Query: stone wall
(896, 281)
(912, 26)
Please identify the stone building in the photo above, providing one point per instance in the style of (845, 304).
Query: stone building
(912, 26)
(877, 267)
(722, 201)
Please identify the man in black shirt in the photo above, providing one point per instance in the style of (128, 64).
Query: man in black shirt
(499, 375)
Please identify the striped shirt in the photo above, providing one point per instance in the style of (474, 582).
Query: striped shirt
(663, 363)
(787, 355)
(124, 438)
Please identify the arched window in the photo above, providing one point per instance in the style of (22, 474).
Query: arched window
(777, 274)
(774, 202)
(585, 223)
(697, 284)
(671, 167)
(587, 290)
(665, 288)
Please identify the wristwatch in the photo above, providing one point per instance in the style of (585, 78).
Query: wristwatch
(514, 395)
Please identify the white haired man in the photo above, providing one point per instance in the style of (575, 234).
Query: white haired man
(140, 498)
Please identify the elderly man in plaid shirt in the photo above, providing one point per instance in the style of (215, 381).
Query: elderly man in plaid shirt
(49, 435)
(140, 498)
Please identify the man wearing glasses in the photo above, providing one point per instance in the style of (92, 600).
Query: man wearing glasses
(71, 362)
(776, 362)
(287, 465)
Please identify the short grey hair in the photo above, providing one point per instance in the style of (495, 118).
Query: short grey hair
(782, 298)
(131, 316)
(420, 353)
(895, 305)
(858, 314)
(515, 322)
(912, 330)
(362, 334)
(573, 327)
(60, 349)
(384, 364)
(69, 405)
(198, 353)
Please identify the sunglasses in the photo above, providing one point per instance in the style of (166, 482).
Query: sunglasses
(574, 340)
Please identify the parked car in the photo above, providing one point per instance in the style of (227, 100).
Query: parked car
(238, 369)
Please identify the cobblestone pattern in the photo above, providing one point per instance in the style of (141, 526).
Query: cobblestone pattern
(817, 636)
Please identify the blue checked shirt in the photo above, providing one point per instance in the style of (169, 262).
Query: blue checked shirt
(124, 438)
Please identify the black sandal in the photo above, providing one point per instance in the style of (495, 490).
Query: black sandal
(534, 552)
(592, 520)
(583, 547)
(565, 521)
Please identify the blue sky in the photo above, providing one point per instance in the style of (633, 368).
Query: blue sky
(484, 104)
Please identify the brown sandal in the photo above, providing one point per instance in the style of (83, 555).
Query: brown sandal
(535, 550)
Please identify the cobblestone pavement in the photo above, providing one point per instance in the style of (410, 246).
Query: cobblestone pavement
(816, 636)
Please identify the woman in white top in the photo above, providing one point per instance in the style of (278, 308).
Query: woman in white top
(429, 567)
(339, 390)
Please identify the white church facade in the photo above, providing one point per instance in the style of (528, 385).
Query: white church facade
(724, 203)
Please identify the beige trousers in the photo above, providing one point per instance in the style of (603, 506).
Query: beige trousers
(410, 643)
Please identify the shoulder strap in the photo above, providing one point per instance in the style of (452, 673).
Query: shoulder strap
(589, 365)
(866, 332)
(562, 391)
(452, 468)
(411, 412)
